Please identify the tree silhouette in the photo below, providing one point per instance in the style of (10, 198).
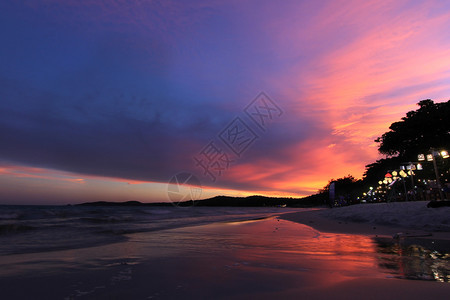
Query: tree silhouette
(376, 171)
(429, 126)
(347, 187)
(417, 132)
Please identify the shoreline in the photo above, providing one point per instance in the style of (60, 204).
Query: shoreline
(318, 221)
(400, 219)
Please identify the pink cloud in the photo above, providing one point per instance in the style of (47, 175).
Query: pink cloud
(351, 67)
(392, 54)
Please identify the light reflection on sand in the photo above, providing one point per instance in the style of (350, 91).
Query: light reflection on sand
(415, 258)
(284, 245)
(263, 258)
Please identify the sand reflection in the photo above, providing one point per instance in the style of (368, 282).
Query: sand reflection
(415, 258)
(275, 247)
(284, 246)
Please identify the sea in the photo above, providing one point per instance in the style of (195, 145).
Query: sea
(30, 229)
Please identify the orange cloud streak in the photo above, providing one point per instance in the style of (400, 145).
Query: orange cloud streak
(42, 173)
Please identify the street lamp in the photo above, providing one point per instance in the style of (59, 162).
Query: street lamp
(432, 157)
(410, 167)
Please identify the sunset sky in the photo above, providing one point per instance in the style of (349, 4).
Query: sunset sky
(108, 100)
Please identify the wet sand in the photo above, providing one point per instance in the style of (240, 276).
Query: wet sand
(375, 288)
(264, 259)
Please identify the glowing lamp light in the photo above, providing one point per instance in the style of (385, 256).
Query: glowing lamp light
(403, 174)
(429, 157)
(380, 182)
(385, 181)
(394, 173)
(419, 167)
(444, 154)
(421, 157)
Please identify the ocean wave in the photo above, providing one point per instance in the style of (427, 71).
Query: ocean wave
(9, 216)
(26, 229)
(107, 219)
(14, 228)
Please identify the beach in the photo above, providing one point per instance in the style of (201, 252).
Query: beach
(242, 254)
(413, 218)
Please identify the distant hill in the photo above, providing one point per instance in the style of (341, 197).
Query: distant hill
(251, 201)
(107, 203)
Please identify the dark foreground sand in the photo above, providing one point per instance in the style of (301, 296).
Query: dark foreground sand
(197, 278)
